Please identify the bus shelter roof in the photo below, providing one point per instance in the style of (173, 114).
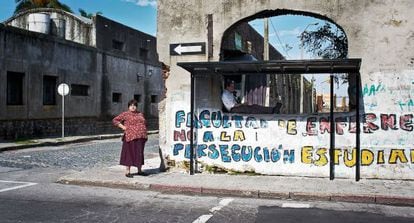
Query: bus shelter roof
(273, 66)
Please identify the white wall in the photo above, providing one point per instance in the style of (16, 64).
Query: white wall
(381, 33)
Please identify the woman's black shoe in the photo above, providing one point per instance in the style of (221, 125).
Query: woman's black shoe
(129, 175)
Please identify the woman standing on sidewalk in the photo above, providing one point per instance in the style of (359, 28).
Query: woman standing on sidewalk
(133, 123)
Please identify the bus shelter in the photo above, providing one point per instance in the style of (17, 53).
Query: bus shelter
(319, 66)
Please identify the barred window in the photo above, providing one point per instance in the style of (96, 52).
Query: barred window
(15, 88)
(49, 90)
(79, 90)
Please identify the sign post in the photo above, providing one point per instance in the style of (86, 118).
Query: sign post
(63, 89)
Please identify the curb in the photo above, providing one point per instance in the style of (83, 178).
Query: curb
(109, 184)
(175, 189)
(299, 196)
(59, 143)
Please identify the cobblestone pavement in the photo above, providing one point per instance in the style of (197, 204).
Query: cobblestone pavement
(99, 153)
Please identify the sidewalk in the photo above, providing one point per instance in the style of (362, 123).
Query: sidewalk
(388, 192)
(14, 145)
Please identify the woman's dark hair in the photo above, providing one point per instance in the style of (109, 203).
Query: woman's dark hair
(133, 102)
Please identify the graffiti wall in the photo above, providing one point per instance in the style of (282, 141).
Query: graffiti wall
(299, 145)
(292, 144)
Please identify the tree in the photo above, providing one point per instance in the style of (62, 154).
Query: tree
(83, 13)
(328, 43)
(325, 42)
(23, 5)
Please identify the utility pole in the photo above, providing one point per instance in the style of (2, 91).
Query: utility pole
(301, 76)
(266, 39)
(266, 58)
(313, 95)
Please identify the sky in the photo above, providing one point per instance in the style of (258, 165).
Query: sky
(285, 30)
(138, 14)
(142, 15)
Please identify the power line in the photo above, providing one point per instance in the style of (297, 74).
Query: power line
(278, 38)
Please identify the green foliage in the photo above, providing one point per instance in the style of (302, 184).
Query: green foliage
(326, 42)
(213, 169)
(22, 5)
(221, 170)
(25, 141)
(85, 14)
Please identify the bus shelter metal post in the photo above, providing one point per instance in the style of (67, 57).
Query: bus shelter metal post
(332, 132)
(358, 130)
(192, 126)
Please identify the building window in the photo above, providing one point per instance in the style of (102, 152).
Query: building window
(145, 43)
(15, 88)
(143, 53)
(249, 47)
(116, 97)
(154, 98)
(138, 98)
(118, 45)
(49, 90)
(79, 90)
(238, 44)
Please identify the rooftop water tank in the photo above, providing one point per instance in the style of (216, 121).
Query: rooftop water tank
(39, 22)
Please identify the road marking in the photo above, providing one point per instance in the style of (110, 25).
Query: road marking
(25, 184)
(295, 205)
(203, 218)
(222, 203)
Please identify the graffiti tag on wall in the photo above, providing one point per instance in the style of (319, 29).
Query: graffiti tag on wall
(223, 138)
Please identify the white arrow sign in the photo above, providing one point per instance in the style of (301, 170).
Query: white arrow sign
(187, 49)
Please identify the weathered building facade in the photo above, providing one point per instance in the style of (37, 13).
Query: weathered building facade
(243, 43)
(380, 33)
(105, 64)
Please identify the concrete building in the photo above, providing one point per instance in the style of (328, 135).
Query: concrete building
(379, 33)
(243, 42)
(105, 64)
(246, 39)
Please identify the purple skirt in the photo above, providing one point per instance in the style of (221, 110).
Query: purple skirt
(132, 153)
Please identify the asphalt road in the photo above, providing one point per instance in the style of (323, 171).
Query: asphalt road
(28, 194)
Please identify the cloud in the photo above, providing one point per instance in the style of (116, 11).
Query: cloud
(293, 32)
(143, 3)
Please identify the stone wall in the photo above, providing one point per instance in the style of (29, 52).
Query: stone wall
(18, 129)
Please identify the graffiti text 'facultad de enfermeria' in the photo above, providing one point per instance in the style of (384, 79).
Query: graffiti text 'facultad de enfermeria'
(309, 155)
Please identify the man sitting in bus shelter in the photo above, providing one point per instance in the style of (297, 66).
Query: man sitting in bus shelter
(231, 104)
